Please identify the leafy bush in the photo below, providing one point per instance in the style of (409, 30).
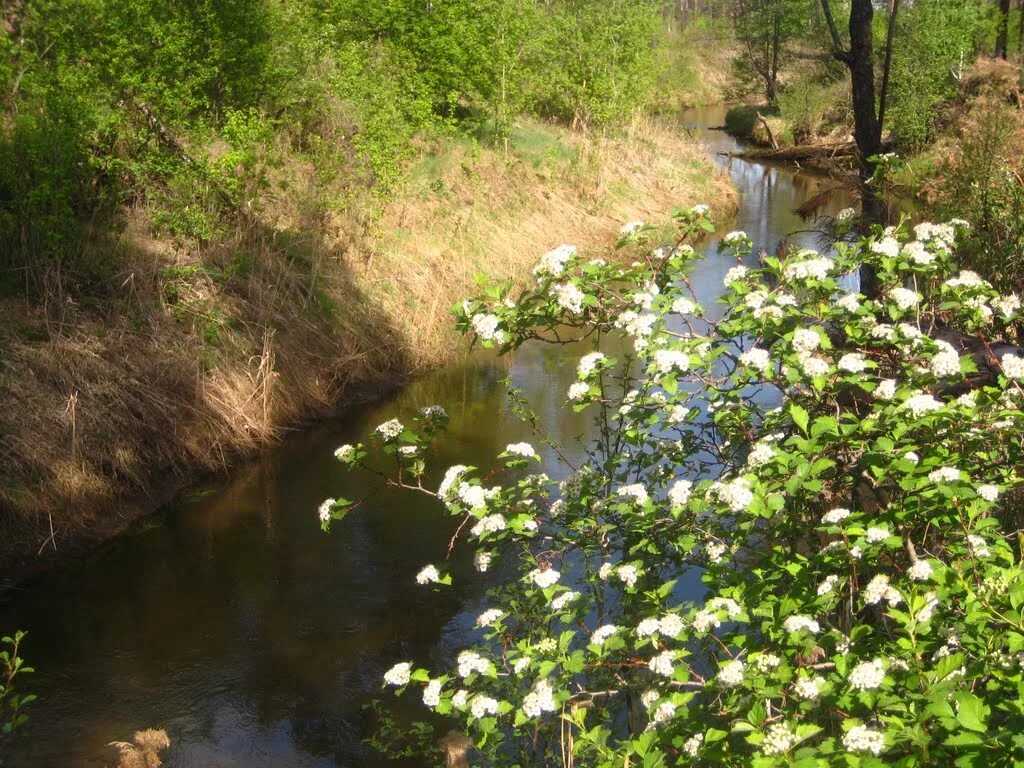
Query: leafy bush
(834, 469)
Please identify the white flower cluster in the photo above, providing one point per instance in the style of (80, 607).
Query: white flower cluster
(778, 739)
(835, 516)
(731, 673)
(552, 263)
(735, 238)
(1013, 366)
(879, 589)
(679, 493)
(588, 363)
(867, 676)
(736, 493)
(797, 623)
(637, 492)
(470, 662)
(756, 358)
(324, 511)
(399, 674)
(668, 360)
(390, 430)
(569, 297)
(540, 699)
(815, 268)
(887, 246)
(544, 578)
(735, 274)
(428, 575)
(521, 449)
(921, 404)
(945, 362)
(808, 687)
(860, 738)
(485, 325)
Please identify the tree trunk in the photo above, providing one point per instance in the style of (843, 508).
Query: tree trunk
(867, 131)
(1003, 32)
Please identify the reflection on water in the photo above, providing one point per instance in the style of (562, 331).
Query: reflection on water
(231, 621)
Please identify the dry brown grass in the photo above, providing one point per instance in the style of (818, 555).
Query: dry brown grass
(143, 751)
(192, 361)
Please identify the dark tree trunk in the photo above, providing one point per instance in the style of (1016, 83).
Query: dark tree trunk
(867, 130)
(1003, 32)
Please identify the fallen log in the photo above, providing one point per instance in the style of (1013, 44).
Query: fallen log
(796, 154)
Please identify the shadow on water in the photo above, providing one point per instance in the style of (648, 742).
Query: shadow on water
(232, 622)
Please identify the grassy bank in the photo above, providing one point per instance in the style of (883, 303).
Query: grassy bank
(196, 355)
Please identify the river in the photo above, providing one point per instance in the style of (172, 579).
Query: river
(230, 620)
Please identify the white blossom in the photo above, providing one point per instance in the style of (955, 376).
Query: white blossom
(428, 575)
(578, 391)
(978, 546)
(944, 475)
(920, 404)
(588, 363)
(796, 623)
(867, 676)
(988, 492)
(668, 360)
(636, 491)
(875, 534)
(432, 693)
(399, 674)
(921, 570)
(679, 493)
(684, 306)
(602, 633)
(808, 687)
(1013, 366)
(521, 449)
(628, 575)
(887, 246)
(693, 744)
(670, 625)
(756, 358)
(540, 699)
(735, 493)
(483, 706)
(852, 362)
(663, 664)
(324, 510)
(489, 617)
(735, 274)
(731, 673)
(827, 585)
(482, 561)
(805, 340)
(562, 599)
(835, 516)
(860, 738)
(470, 662)
(569, 297)
(390, 430)
(545, 578)
(553, 262)
(778, 739)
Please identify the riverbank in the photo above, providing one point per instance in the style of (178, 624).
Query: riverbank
(198, 357)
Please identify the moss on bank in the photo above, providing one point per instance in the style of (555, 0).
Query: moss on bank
(200, 355)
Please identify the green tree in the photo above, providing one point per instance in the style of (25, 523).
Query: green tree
(765, 29)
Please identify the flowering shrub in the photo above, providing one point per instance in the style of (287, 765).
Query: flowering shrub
(830, 467)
